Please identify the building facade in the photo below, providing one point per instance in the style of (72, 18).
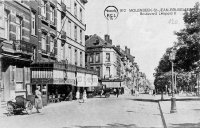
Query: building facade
(105, 58)
(16, 49)
(42, 44)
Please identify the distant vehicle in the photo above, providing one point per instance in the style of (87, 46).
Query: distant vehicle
(99, 89)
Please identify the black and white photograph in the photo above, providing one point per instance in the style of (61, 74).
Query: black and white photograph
(99, 64)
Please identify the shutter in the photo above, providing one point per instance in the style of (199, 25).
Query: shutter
(55, 46)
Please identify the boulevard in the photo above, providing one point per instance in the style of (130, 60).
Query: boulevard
(112, 112)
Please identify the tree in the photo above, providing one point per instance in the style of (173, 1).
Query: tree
(189, 37)
(188, 46)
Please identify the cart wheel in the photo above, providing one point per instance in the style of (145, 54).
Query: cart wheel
(107, 95)
(29, 107)
(10, 109)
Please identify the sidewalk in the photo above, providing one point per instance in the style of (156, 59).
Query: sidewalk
(187, 116)
(157, 98)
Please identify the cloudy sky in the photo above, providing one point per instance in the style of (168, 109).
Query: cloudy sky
(148, 36)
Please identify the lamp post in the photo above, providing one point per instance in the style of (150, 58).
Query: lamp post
(173, 99)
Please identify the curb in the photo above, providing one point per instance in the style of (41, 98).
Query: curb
(162, 116)
(158, 100)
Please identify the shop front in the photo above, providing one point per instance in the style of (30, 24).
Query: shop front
(52, 79)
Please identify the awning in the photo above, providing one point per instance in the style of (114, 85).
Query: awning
(88, 78)
(111, 84)
(71, 79)
(94, 80)
(80, 79)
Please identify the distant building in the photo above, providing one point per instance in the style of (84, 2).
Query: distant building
(105, 58)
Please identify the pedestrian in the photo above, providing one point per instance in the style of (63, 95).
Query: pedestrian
(154, 92)
(101, 93)
(84, 96)
(117, 92)
(114, 91)
(38, 99)
(132, 92)
(77, 95)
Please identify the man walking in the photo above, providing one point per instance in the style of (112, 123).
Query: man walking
(117, 92)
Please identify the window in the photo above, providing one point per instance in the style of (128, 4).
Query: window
(44, 40)
(75, 33)
(80, 36)
(107, 71)
(81, 15)
(76, 57)
(91, 58)
(52, 14)
(69, 28)
(81, 59)
(51, 44)
(108, 57)
(70, 54)
(43, 8)
(33, 23)
(97, 58)
(18, 28)
(6, 17)
(98, 71)
(75, 9)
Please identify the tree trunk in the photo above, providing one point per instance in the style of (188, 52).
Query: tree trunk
(162, 95)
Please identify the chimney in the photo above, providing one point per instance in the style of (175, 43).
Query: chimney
(110, 41)
(126, 50)
(118, 46)
(129, 51)
(107, 38)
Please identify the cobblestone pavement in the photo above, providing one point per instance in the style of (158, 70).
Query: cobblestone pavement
(110, 112)
(187, 116)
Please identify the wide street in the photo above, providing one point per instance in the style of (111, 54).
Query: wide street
(96, 112)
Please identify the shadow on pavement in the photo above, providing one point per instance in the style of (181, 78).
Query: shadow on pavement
(115, 125)
(186, 125)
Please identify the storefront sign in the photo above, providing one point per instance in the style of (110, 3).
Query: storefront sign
(58, 81)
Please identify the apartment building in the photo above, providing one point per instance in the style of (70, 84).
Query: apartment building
(16, 49)
(104, 57)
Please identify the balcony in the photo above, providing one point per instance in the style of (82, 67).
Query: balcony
(24, 47)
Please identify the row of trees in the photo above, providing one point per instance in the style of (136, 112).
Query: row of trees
(187, 55)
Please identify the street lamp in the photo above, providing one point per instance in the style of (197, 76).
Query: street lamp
(173, 99)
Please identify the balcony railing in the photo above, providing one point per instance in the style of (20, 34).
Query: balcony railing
(23, 46)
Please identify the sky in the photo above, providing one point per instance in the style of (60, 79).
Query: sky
(148, 36)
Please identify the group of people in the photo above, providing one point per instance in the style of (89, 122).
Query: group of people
(80, 98)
